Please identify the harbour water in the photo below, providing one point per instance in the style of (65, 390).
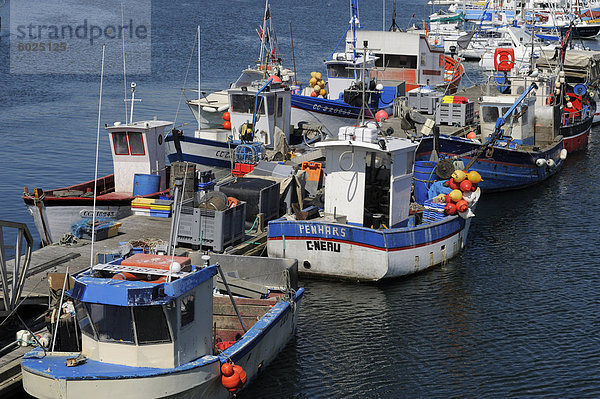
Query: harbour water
(516, 315)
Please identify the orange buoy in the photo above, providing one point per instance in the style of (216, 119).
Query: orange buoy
(241, 373)
(275, 79)
(462, 205)
(314, 94)
(226, 125)
(450, 208)
(226, 116)
(471, 135)
(466, 185)
(229, 378)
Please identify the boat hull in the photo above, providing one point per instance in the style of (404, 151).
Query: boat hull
(198, 379)
(502, 169)
(329, 114)
(331, 250)
(201, 151)
(576, 136)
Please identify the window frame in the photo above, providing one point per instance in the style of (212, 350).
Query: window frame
(128, 141)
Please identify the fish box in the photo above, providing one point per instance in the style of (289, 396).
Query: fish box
(455, 114)
(210, 228)
(424, 100)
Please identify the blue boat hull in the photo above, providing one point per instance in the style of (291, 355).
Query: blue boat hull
(501, 168)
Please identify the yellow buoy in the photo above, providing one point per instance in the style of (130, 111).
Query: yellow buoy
(313, 74)
(313, 81)
(321, 83)
(323, 92)
(317, 88)
(474, 177)
(458, 176)
(318, 75)
(455, 195)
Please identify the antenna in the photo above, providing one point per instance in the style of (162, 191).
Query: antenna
(199, 88)
(124, 69)
(394, 26)
(133, 100)
(97, 150)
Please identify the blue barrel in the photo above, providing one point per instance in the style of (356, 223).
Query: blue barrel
(145, 184)
(423, 177)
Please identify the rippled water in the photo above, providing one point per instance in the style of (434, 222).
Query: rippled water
(516, 315)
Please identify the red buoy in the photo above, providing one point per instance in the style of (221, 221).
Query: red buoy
(275, 79)
(450, 208)
(226, 116)
(227, 369)
(448, 199)
(314, 94)
(465, 186)
(381, 115)
(227, 125)
(462, 206)
(242, 374)
(452, 184)
(230, 379)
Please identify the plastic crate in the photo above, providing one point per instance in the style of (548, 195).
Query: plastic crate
(432, 211)
(210, 228)
(260, 195)
(455, 114)
(424, 100)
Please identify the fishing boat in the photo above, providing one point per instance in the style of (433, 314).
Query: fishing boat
(259, 113)
(208, 109)
(158, 326)
(138, 154)
(399, 61)
(366, 231)
(520, 142)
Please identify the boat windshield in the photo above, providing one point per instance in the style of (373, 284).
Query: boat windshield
(340, 71)
(244, 104)
(111, 323)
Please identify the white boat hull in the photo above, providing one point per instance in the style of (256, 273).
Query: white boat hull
(59, 219)
(331, 257)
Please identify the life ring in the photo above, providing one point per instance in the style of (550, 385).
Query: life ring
(504, 59)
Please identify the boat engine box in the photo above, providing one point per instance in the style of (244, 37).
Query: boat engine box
(260, 196)
(211, 228)
(424, 100)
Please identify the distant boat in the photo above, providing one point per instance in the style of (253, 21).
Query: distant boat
(151, 327)
(366, 231)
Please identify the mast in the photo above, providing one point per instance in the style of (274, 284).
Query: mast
(199, 86)
(354, 23)
(263, 38)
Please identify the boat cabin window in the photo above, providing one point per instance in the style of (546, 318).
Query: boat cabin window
(127, 143)
(112, 323)
(244, 104)
(490, 113)
(187, 310)
(83, 320)
(340, 71)
(151, 325)
(270, 105)
(279, 107)
(396, 61)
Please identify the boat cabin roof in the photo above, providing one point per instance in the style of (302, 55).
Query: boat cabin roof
(392, 144)
(108, 291)
(141, 125)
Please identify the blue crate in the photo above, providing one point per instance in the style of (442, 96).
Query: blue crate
(433, 212)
